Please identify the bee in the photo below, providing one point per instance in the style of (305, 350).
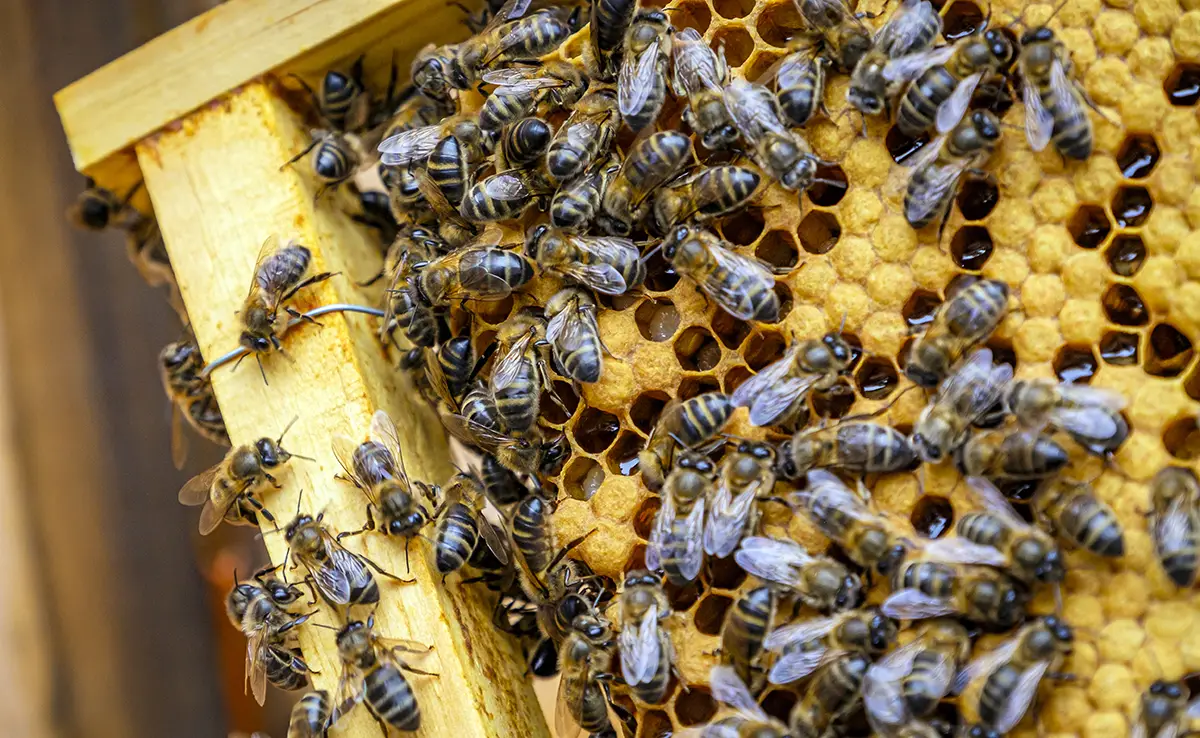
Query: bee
(524, 142)
(179, 367)
(910, 31)
(652, 162)
(937, 170)
(585, 659)
(743, 633)
(521, 90)
(962, 399)
(417, 111)
(853, 447)
(506, 41)
(522, 373)
(375, 212)
(1175, 523)
(908, 683)
(1091, 416)
(703, 195)
(412, 146)
(749, 720)
(500, 486)
(373, 673)
(343, 102)
(675, 545)
(642, 83)
(262, 601)
(460, 525)
(310, 716)
(1053, 100)
(833, 693)
(229, 490)
(451, 374)
(1073, 512)
(700, 75)
(577, 202)
(804, 647)
(1000, 685)
(611, 20)
(430, 74)
(443, 186)
(404, 307)
(869, 539)
(336, 157)
(646, 651)
(776, 394)
(97, 208)
(503, 196)
(938, 585)
(265, 610)
(800, 84)
(404, 192)
(281, 666)
(747, 476)
(478, 425)
(689, 423)
(945, 79)
(741, 286)
(475, 273)
(531, 528)
(574, 335)
(1002, 455)
(586, 135)
(1032, 554)
(779, 151)
(817, 581)
(1161, 710)
(966, 319)
(608, 264)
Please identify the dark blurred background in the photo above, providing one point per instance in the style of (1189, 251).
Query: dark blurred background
(110, 605)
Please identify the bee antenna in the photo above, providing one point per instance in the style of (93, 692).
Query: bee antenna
(235, 577)
(279, 441)
(845, 313)
(299, 499)
(326, 627)
(261, 370)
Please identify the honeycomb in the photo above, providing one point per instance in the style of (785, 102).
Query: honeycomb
(1103, 258)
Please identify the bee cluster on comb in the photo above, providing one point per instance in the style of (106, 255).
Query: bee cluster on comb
(943, 257)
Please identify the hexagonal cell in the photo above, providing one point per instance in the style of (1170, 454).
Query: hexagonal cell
(779, 23)
(784, 294)
(763, 349)
(595, 430)
(738, 44)
(762, 63)
(657, 320)
(1124, 306)
(697, 350)
(1137, 156)
(725, 574)
(1002, 352)
(1119, 348)
(682, 598)
(1191, 385)
(961, 19)
(920, 309)
(646, 408)
(551, 412)
(977, 197)
(876, 378)
(691, 15)
(689, 387)
(711, 614)
(856, 350)
(834, 402)
(622, 458)
(1168, 352)
(1182, 85)
(743, 228)
(695, 707)
(494, 312)
(735, 377)
(1181, 437)
(971, 247)
(729, 329)
(1089, 226)
(819, 232)
(1131, 206)
(1075, 364)
(617, 302)
(778, 248)
(655, 724)
(778, 703)
(643, 519)
(901, 146)
(660, 273)
(637, 558)
(734, 8)
(829, 187)
(582, 477)
(1125, 254)
(932, 516)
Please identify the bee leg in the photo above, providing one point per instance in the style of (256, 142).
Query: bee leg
(388, 574)
(370, 525)
(299, 156)
(314, 279)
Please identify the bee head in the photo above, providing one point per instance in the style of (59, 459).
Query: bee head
(986, 125)
(554, 452)
(999, 46)
(270, 453)
(298, 524)
(841, 351)
(1037, 35)
(865, 101)
(721, 137)
(801, 175)
(639, 577)
(404, 524)
(1050, 568)
(93, 212)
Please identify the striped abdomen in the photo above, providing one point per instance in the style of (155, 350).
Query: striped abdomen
(1179, 558)
(413, 317)
(984, 528)
(801, 82)
(925, 95)
(499, 484)
(865, 448)
(333, 161)
(455, 538)
(744, 631)
(1072, 133)
(310, 716)
(921, 693)
(933, 578)
(701, 417)
(447, 168)
(285, 668)
(518, 401)
(503, 107)
(654, 690)
(996, 692)
(531, 533)
(976, 310)
(456, 358)
(391, 699)
(610, 19)
(1092, 525)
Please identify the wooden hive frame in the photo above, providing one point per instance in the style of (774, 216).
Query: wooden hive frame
(197, 116)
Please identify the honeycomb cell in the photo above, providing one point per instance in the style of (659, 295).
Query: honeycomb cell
(1131, 206)
(762, 63)
(1183, 85)
(622, 458)
(834, 402)
(1126, 254)
(655, 724)
(692, 386)
(735, 377)
(551, 411)
(819, 232)
(1002, 352)
(695, 707)
(779, 23)
(595, 430)
(733, 8)
(876, 378)
(778, 248)
(971, 247)
(1138, 155)
(660, 275)
(697, 350)
(1115, 31)
(738, 44)
(744, 228)
(725, 574)
(495, 313)
(977, 198)
(1119, 348)
(637, 558)
(1124, 306)
(830, 185)
(646, 408)
(729, 329)
(710, 614)
(682, 598)
(961, 18)
(784, 294)
(1075, 364)
(901, 146)
(1192, 384)
(643, 519)
(1168, 352)
(920, 309)
(932, 516)
(778, 704)
(582, 477)
(657, 320)
(692, 15)
(1090, 226)
(763, 349)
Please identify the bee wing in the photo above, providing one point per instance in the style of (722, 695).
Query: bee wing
(962, 551)
(256, 665)
(753, 108)
(797, 664)
(729, 689)
(659, 533)
(472, 433)
(976, 385)
(509, 368)
(197, 489)
(882, 694)
(725, 527)
(636, 80)
(795, 634)
(904, 31)
(343, 450)
(984, 665)
(1193, 709)
(212, 514)
(693, 553)
(771, 559)
(526, 86)
(925, 155)
(507, 77)
(951, 111)
(908, 67)
(569, 331)
(993, 500)
(726, 293)
(913, 604)
(1090, 422)
(1081, 394)
(505, 186)
(493, 538)
(1172, 529)
(748, 393)
(603, 278)
(383, 432)
(569, 703)
(1021, 697)
(269, 247)
(696, 65)
(937, 186)
(409, 147)
(334, 579)
(641, 644)
(1039, 122)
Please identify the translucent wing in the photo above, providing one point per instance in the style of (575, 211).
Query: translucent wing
(935, 189)
(693, 554)
(570, 331)
(269, 247)
(213, 513)
(1039, 122)
(492, 538)
(636, 80)
(1091, 422)
(580, 132)
(505, 186)
(994, 501)
(333, 579)
(663, 522)
(478, 282)
(383, 432)
(798, 664)
(794, 68)
(696, 65)
(729, 689)
(1064, 89)
(1081, 394)
(1173, 528)
(729, 294)
(256, 664)
(473, 433)
(569, 704)
(771, 560)
(197, 489)
(642, 647)
(1022, 697)
(909, 67)
(977, 385)
(983, 665)
(882, 692)
(962, 551)
(925, 156)
(753, 108)
(409, 147)
(773, 390)
(343, 450)
(507, 76)
(603, 278)
(513, 367)
(904, 33)
(913, 604)
(726, 526)
(795, 634)
(951, 111)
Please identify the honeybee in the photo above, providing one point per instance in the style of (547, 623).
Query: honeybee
(430, 74)
(690, 423)
(646, 651)
(868, 538)
(908, 683)
(523, 143)
(652, 162)
(833, 693)
(97, 208)
(179, 367)
(938, 169)
(521, 90)
(442, 183)
(522, 372)
(1175, 523)
(404, 192)
(311, 715)
(842, 30)
(779, 151)
(610, 20)
(478, 425)
(804, 647)
(343, 102)
(500, 486)
(574, 335)
(278, 275)
(999, 686)
(265, 610)
(854, 447)
(747, 476)
(585, 659)
(1073, 512)
(911, 30)
(503, 196)
(1053, 100)
(937, 585)
(676, 541)
(1161, 709)
(1002, 455)
(451, 373)
(262, 601)
(945, 79)
(741, 286)
(776, 394)
(703, 195)
(1032, 554)
(800, 84)
(608, 264)
(373, 673)
(229, 490)
(403, 305)
(700, 75)
(817, 581)
(577, 202)
(642, 83)
(336, 157)
(474, 273)
(585, 136)
(743, 633)
(1091, 416)
(972, 389)
(966, 319)
(460, 525)
(506, 41)
(749, 720)
(412, 146)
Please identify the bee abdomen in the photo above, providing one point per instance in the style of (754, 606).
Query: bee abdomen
(530, 532)
(1072, 134)
(502, 108)
(333, 162)
(593, 716)
(918, 694)
(997, 690)
(978, 309)
(653, 691)
(869, 447)
(982, 528)
(518, 402)
(921, 101)
(286, 669)
(1094, 527)
(1181, 565)
(447, 168)
(584, 363)
(390, 697)
(500, 485)
(310, 716)
(455, 538)
(284, 268)
(702, 416)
